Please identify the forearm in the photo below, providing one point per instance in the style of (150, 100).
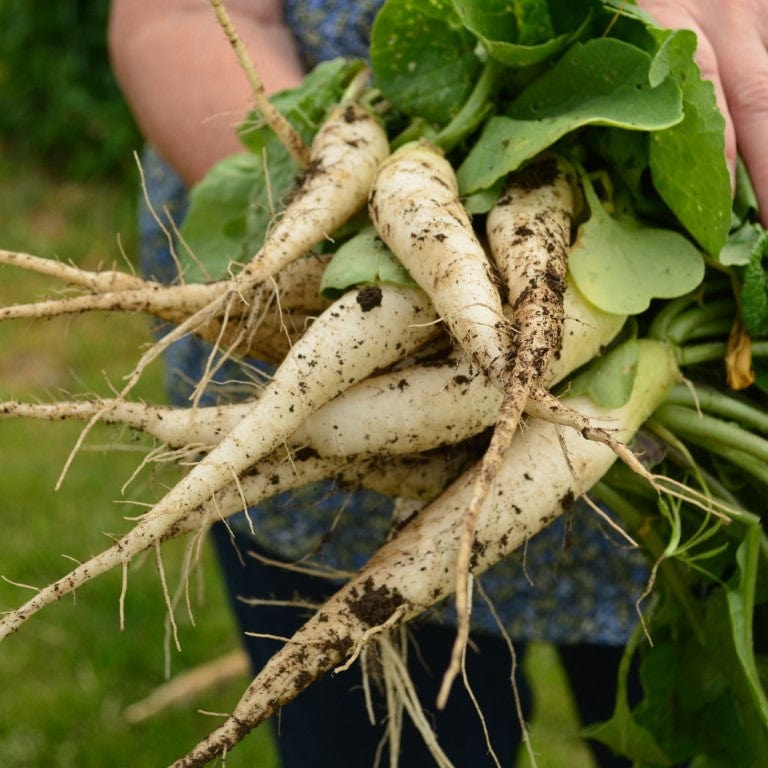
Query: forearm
(182, 80)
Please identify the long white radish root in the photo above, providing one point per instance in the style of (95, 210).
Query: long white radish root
(334, 186)
(358, 333)
(408, 410)
(264, 327)
(297, 285)
(273, 477)
(96, 282)
(415, 207)
(537, 482)
(344, 156)
(419, 477)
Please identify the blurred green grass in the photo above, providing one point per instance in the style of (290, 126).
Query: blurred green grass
(69, 673)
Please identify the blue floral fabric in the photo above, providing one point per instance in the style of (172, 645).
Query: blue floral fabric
(573, 583)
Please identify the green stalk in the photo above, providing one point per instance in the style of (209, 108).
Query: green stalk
(710, 431)
(659, 328)
(685, 324)
(417, 129)
(716, 402)
(737, 445)
(474, 111)
(667, 317)
(712, 352)
(747, 462)
(719, 328)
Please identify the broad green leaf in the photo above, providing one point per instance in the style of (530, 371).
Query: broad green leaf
(215, 226)
(754, 289)
(688, 159)
(729, 617)
(423, 60)
(620, 265)
(522, 33)
(609, 379)
(741, 603)
(601, 82)
(363, 259)
(622, 732)
(740, 246)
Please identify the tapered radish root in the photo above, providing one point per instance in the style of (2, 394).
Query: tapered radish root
(358, 333)
(408, 410)
(538, 481)
(343, 160)
(264, 325)
(296, 285)
(528, 235)
(346, 343)
(97, 282)
(415, 208)
(419, 477)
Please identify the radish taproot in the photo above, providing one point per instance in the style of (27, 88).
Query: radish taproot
(415, 207)
(528, 235)
(409, 409)
(344, 156)
(357, 334)
(418, 477)
(264, 327)
(110, 290)
(542, 475)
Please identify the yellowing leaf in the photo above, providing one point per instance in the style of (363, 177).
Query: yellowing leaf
(620, 265)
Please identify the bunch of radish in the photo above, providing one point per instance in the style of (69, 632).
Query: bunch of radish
(542, 381)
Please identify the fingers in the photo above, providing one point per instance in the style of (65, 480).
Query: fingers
(743, 65)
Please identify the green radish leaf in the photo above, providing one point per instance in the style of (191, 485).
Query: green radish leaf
(754, 290)
(524, 32)
(608, 381)
(363, 259)
(620, 265)
(423, 59)
(600, 82)
(729, 620)
(622, 732)
(216, 223)
(741, 603)
(740, 246)
(694, 148)
(744, 198)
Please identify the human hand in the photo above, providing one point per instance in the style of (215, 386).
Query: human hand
(732, 53)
